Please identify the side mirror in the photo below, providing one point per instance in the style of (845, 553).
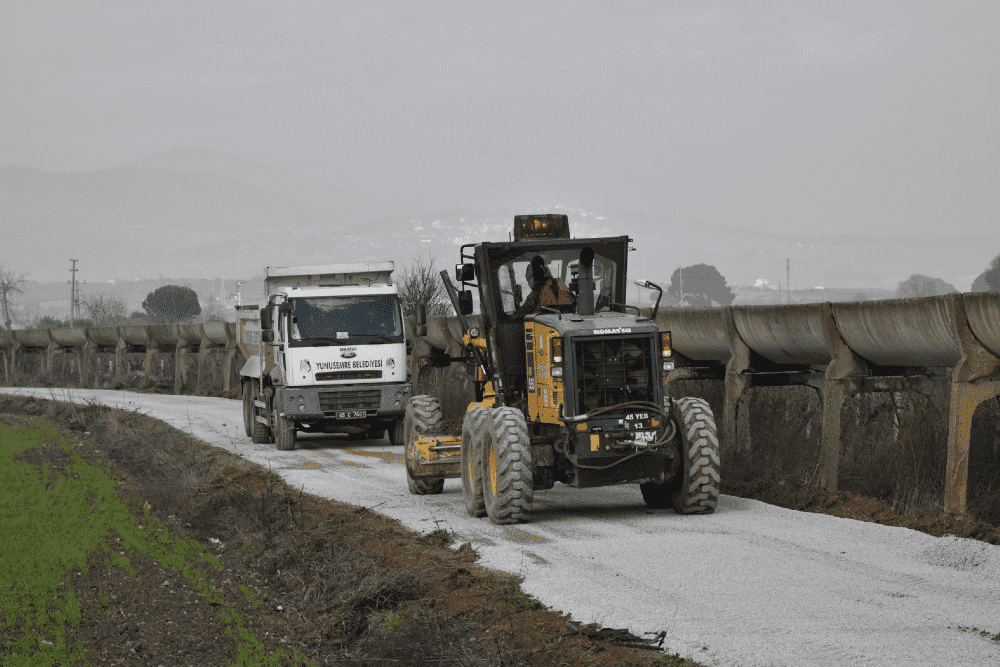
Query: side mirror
(265, 318)
(465, 272)
(465, 302)
(267, 335)
(421, 322)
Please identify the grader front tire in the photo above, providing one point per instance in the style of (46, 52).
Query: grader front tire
(695, 489)
(423, 417)
(474, 432)
(508, 475)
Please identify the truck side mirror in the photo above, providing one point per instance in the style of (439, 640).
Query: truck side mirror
(465, 272)
(265, 318)
(421, 319)
(267, 335)
(465, 302)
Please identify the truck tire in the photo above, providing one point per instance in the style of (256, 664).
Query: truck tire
(248, 412)
(396, 434)
(695, 488)
(507, 471)
(284, 432)
(423, 417)
(474, 427)
(261, 434)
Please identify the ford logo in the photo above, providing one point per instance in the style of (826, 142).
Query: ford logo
(348, 355)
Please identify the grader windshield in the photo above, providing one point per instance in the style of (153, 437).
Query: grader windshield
(563, 264)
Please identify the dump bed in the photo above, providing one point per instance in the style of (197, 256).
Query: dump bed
(279, 278)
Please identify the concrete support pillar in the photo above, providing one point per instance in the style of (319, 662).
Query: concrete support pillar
(965, 398)
(120, 349)
(180, 372)
(85, 355)
(147, 378)
(839, 382)
(975, 378)
(18, 347)
(738, 380)
(50, 355)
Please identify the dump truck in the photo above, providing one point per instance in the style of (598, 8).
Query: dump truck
(570, 383)
(326, 353)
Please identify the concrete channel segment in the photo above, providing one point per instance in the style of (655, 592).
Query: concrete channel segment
(945, 347)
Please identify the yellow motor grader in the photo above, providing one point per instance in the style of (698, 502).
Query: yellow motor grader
(570, 385)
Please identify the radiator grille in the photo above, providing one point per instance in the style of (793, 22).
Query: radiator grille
(349, 375)
(613, 370)
(361, 399)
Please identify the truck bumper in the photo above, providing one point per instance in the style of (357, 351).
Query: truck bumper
(344, 402)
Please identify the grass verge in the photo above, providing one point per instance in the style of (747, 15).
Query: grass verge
(132, 543)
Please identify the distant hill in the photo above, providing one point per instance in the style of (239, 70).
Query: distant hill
(205, 214)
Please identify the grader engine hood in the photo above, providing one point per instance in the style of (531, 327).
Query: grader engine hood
(581, 363)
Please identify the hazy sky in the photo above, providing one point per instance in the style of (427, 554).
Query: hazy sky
(875, 117)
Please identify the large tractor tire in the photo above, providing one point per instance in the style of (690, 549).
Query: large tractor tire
(475, 427)
(284, 431)
(508, 474)
(695, 488)
(248, 411)
(261, 434)
(423, 417)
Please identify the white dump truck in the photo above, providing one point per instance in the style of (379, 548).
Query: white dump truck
(326, 353)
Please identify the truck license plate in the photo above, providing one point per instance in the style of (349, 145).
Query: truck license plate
(351, 414)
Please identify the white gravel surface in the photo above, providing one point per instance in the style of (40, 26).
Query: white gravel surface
(752, 584)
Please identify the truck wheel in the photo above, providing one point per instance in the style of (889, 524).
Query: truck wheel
(695, 488)
(474, 427)
(397, 436)
(423, 417)
(508, 478)
(284, 436)
(261, 434)
(248, 412)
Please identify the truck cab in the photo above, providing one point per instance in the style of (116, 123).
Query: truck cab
(331, 356)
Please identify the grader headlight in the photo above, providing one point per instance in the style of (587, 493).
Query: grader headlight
(665, 349)
(556, 345)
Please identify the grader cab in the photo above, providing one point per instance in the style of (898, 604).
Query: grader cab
(570, 386)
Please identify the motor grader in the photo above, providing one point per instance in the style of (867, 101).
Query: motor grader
(571, 392)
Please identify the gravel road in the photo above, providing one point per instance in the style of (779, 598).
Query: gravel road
(752, 584)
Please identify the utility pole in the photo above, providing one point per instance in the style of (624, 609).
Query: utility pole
(680, 272)
(788, 279)
(72, 294)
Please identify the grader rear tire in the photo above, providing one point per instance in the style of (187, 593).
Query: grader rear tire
(508, 475)
(474, 431)
(695, 489)
(423, 417)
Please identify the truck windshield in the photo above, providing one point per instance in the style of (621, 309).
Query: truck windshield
(346, 318)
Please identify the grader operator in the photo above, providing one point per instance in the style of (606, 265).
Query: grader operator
(570, 386)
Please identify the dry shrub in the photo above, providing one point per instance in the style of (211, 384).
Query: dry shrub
(894, 449)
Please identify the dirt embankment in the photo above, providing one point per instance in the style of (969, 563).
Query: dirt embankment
(300, 580)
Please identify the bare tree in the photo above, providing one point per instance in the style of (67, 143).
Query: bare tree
(11, 283)
(106, 311)
(421, 283)
(214, 310)
(994, 263)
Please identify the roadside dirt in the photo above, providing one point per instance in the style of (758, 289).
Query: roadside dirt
(330, 582)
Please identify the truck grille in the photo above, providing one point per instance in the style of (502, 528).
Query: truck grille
(359, 399)
(349, 375)
(612, 371)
